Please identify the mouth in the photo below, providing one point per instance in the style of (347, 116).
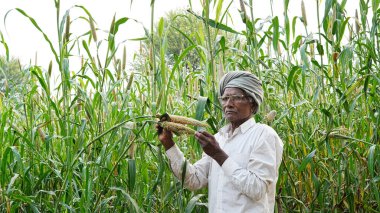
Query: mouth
(228, 112)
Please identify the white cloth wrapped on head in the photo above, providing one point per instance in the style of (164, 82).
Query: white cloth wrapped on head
(244, 80)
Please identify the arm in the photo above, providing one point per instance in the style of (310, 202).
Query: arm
(196, 175)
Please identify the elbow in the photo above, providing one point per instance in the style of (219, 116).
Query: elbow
(257, 195)
(257, 191)
(193, 185)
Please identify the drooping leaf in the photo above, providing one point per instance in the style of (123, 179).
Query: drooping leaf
(192, 203)
(306, 160)
(214, 24)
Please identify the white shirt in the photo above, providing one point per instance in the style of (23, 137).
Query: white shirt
(246, 182)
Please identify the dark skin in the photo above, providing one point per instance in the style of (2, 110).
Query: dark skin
(235, 113)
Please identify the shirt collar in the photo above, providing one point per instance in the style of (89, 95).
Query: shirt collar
(242, 128)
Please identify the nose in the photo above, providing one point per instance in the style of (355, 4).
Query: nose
(228, 103)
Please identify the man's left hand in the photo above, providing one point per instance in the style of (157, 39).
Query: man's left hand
(211, 147)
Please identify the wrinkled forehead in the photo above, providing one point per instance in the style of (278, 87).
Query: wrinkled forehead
(233, 91)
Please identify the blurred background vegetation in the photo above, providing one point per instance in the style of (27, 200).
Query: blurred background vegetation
(88, 143)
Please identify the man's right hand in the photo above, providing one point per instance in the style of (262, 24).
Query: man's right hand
(165, 137)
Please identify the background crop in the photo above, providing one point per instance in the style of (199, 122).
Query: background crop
(89, 144)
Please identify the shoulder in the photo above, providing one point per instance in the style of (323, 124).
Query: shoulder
(266, 132)
(265, 129)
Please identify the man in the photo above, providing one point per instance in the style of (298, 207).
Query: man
(240, 163)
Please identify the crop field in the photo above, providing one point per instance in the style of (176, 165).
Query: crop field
(88, 143)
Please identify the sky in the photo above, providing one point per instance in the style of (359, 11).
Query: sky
(27, 44)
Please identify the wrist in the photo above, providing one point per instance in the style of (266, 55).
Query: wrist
(220, 157)
(168, 144)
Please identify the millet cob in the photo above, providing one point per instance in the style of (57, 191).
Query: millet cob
(182, 120)
(176, 128)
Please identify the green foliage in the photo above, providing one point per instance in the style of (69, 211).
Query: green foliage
(89, 144)
(12, 76)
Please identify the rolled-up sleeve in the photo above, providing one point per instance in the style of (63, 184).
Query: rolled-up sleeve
(196, 175)
(261, 170)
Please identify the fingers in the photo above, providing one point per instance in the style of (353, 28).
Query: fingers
(159, 129)
(205, 138)
(200, 136)
(201, 139)
(207, 134)
(162, 132)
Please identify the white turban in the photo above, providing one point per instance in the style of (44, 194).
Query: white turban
(244, 80)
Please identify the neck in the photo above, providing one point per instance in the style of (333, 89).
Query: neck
(235, 125)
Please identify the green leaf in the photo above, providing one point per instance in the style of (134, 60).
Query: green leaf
(276, 33)
(290, 123)
(291, 75)
(10, 185)
(128, 198)
(190, 206)
(138, 39)
(304, 57)
(5, 46)
(294, 22)
(342, 28)
(327, 113)
(214, 24)
(306, 161)
(160, 27)
(36, 71)
(316, 63)
(371, 160)
(286, 5)
(24, 199)
(88, 78)
(183, 173)
(201, 106)
(113, 31)
(287, 31)
(118, 23)
(131, 174)
(39, 29)
(328, 5)
(296, 44)
(218, 10)
(320, 49)
(183, 55)
(375, 5)
(300, 103)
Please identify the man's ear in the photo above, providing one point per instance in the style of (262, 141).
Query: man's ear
(254, 107)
